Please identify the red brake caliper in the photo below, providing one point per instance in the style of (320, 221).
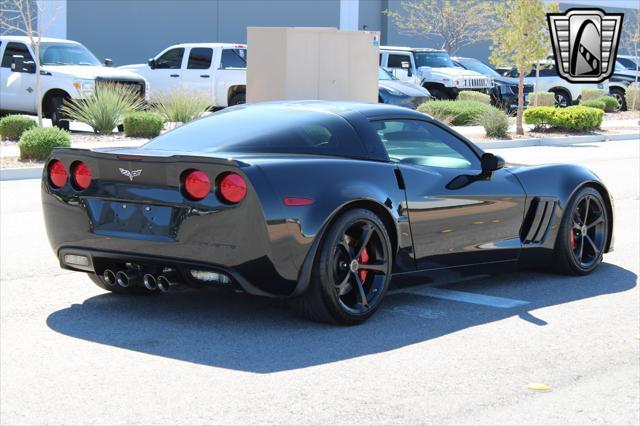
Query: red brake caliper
(573, 239)
(363, 259)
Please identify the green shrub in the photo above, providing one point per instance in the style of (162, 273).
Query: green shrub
(37, 144)
(610, 103)
(105, 109)
(540, 117)
(542, 99)
(143, 124)
(180, 106)
(468, 95)
(632, 98)
(574, 118)
(456, 113)
(594, 103)
(495, 122)
(13, 126)
(590, 94)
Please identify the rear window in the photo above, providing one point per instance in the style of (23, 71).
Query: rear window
(264, 129)
(233, 58)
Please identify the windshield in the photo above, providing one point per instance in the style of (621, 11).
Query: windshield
(620, 67)
(479, 67)
(66, 54)
(433, 60)
(384, 74)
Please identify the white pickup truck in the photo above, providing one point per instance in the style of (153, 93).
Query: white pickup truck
(68, 70)
(432, 69)
(215, 70)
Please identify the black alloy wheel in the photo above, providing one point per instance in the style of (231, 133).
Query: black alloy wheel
(588, 229)
(583, 234)
(359, 267)
(351, 272)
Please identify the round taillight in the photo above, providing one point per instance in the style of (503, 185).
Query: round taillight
(232, 188)
(197, 184)
(80, 175)
(57, 174)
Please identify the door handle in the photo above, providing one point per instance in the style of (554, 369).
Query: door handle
(174, 75)
(205, 76)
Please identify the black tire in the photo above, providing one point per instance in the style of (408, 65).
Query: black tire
(618, 93)
(583, 234)
(238, 99)
(138, 290)
(120, 128)
(439, 94)
(57, 118)
(348, 282)
(563, 98)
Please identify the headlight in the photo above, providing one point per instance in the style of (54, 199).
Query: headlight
(84, 86)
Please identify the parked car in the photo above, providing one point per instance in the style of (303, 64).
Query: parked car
(217, 70)
(323, 203)
(68, 71)
(401, 93)
(504, 93)
(432, 69)
(565, 93)
(630, 62)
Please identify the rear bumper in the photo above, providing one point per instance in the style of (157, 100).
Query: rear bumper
(99, 260)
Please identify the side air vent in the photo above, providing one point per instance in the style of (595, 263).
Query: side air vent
(537, 221)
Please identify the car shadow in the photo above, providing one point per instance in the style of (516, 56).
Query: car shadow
(260, 335)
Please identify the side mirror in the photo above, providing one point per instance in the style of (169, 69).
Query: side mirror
(491, 163)
(17, 63)
(152, 63)
(405, 65)
(108, 62)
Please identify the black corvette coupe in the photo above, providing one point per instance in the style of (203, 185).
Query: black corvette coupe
(323, 203)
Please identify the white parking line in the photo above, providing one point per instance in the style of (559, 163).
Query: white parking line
(462, 296)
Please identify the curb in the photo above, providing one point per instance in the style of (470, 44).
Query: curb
(572, 140)
(36, 172)
(21, 173)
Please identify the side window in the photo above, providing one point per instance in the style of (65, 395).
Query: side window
(425, 144)
(233, 58)
(171, 59)
(547, 72)
(200, 58)
(395, 61)
(15, 49)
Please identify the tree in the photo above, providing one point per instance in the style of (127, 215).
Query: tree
(21, 16)
(520, 40)
(457, 23)
(631, 37)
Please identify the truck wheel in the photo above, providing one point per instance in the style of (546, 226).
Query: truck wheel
(351, 272)
(55, 106)
(619, 95)
(439, 94)
(238, 99)
(563, 99)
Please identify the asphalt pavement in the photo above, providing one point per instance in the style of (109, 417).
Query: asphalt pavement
(446, 352)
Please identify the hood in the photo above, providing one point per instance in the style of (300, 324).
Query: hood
(408, 89)
(133, 67)
(451, 72)
(510, 81)
(89, 72)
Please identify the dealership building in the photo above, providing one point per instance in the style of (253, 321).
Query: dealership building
(131, 31)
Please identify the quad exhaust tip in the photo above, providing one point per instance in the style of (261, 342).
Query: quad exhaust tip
(127, 278)
(150, 282)
(166, 281)
(109, 277)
